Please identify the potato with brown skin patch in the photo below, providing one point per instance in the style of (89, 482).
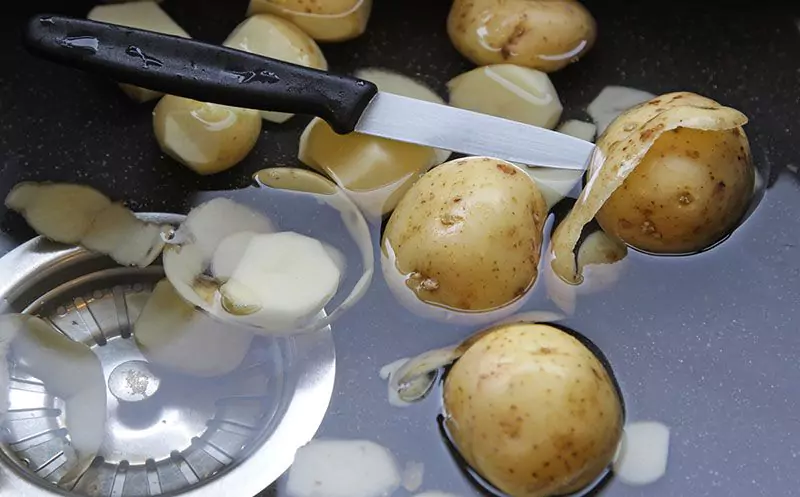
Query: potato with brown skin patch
(323, 20)
(540, 34)
(468, 234)
(675, 173)
(688, 192)
(533, 411)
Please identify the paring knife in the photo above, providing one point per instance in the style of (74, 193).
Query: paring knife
(216, 74)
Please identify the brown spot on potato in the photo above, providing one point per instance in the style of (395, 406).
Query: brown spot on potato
(506, 169)
(719, 188)
(693, 154)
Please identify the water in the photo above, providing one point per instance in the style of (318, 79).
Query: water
(707, 344)
(86, 43)
(147, 60)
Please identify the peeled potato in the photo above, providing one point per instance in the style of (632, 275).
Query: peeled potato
(673, 175)
(62, 212)
(139, 15)
(375, 172)
(579, 129)
(323, 20)
(207, 138)
(540, 34)
(533, 411)
(468, 235)
(277, 38)
(512, 92)
(175, 335)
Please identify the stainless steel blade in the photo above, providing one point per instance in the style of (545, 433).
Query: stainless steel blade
(440, 126)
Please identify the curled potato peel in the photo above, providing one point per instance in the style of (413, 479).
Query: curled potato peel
(614, 160)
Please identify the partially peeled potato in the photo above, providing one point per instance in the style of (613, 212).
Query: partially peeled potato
(672, 175)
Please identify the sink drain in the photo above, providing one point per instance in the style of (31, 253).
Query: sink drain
(166, 433)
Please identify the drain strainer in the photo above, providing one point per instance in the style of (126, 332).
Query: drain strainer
(166, 433)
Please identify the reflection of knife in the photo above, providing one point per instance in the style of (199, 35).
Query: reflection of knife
(222, 75)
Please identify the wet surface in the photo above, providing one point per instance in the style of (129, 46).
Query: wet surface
(707, 344)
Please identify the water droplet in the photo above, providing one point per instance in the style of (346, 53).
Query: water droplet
(47, 21)
(146, 59)
(360, 83)
(262, 76)
(87, 43)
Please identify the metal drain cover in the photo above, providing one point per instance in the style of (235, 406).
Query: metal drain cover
(166, 433)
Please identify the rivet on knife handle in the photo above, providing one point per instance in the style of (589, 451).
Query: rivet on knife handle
(198, 70)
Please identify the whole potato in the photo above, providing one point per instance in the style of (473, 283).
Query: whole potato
(540, 34)
(533, 411)
(468, 234)
(323, 20)
(208, 138)
(690, 189)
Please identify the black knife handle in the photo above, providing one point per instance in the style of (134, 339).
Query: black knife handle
(198, 70)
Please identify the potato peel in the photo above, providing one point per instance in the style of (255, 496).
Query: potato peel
(613, 162)
(71, 371)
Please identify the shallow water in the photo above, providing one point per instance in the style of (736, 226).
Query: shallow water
(707, 344)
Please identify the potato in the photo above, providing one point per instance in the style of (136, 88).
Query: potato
(673, 175)
(533, 411)
(540, 34)
(688, 192)
(274, 37)
(468, 234)
(508, 91)
(139, 15)
(207, 138)
(375, 172)
(323, 20)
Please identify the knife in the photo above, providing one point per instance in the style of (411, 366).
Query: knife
(216, 74)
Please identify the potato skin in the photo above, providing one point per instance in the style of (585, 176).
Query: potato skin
(689, 191)
(469, 234)
(533, 411)
(541, 34)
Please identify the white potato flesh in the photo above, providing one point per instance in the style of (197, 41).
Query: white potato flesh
(62, 212)
(508, 91)
(208, 224)
(277, 38)
(228, 254)
(70, 371)
(555, 184)
(375, 172)
(579, 129)
(117, 232)
(146, 15)
(343, 468)
(286, 276)
(207, 138)
(643, 454)
(175, 335)
(324, 20)
(613, 101)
